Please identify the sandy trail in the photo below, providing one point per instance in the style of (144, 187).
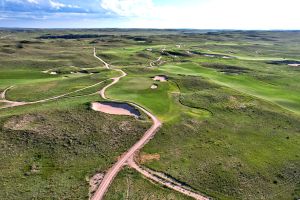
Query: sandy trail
(163, 180)
(156, 61)
(2, 96)
(113, 171)
(127, 157)
(11, 104)
(106, 65)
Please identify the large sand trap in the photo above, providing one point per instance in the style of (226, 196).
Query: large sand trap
(161, 78)
(114, 108)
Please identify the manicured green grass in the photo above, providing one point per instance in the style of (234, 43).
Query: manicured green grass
(278, 94)
(42, 89)
(161, 101)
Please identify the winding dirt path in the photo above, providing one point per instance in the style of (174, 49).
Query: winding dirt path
(18, 103)
(113, 171)
(2, 96)
(163, 180)
(155, 61)
(127, 157)
(106, 65)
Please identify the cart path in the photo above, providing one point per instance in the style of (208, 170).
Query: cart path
(113, 171)
(127, 157)
(20, 103)
(163, 180)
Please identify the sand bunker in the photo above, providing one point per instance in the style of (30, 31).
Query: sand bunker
(294, 65)
(226, 57)
(154, 86)
(114, 108)
(53, 73)
(161, 78)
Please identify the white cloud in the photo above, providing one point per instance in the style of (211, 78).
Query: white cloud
(24, 1)
(57, 5)
(128, 7)
(212, 14)
(33, 1)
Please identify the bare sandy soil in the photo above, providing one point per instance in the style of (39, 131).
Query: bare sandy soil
(94, 183)
(143, 158)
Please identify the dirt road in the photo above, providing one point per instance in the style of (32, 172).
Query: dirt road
(11, 104)
(163, 180)
(156, 61)
(127, 157)
(2, 95)
(106, 65)
(113, 171)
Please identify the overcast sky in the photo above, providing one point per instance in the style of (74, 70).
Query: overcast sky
(198, 14)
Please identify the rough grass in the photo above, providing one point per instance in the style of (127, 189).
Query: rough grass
(216, 137)
(52, 153)
(247, 149)
(129, 184)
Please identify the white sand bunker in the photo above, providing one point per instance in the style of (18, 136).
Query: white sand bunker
(294, 65)
(154, 86)
(114, 108)
(161, 78)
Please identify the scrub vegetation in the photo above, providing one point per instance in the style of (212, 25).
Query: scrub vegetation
(229, 106)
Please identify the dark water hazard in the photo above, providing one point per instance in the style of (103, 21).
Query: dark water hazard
(284, 62)
(125, 106)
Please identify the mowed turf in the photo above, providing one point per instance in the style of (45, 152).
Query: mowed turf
(162, 101)
(41, 89)
(282, 94)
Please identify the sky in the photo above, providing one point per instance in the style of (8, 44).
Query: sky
(195, 14)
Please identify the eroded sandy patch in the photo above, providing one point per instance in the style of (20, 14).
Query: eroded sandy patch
(143, 157)
(94, 183)
(24, 122)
